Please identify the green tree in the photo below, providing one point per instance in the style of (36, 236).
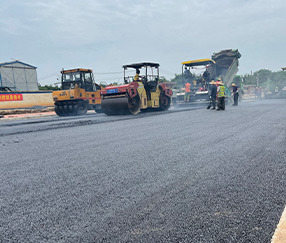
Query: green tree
(48, 87)
(266, 79)
(178, 80)
(162, 79)
(237, 80)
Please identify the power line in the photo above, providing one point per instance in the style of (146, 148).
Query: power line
(97, 73)
(49, 76)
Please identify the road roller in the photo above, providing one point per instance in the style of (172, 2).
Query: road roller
(78, 93)
(140, 91)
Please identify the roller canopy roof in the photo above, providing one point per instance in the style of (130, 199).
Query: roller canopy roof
(77, 70)
(198, 62)
(142, 64)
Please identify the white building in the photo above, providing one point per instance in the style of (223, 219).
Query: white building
(18, 76)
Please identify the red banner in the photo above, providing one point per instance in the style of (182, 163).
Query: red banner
(11, 97)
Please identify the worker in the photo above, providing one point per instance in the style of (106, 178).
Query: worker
(136, 78)
(235, 94)
(187, 91)
(221, 96)
(187, 75)
(206, 76)
(213, 95)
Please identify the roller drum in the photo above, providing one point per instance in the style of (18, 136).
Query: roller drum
(121, 105)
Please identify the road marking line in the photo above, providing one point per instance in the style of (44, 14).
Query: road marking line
(280, 232)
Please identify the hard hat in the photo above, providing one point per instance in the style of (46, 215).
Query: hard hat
(218, 79)
(233, 84)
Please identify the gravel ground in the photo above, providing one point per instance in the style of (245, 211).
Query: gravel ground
(191, 176)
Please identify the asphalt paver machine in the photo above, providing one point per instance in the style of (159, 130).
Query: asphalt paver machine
(141, 91)
(199, 85)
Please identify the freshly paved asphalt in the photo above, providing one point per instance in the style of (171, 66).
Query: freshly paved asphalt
(189, 176)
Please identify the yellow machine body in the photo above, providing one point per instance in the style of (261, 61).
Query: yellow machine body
(92, 97)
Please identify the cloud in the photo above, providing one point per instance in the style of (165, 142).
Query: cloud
(107, 34)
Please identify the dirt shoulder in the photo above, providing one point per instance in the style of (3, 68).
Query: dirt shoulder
(26, 111)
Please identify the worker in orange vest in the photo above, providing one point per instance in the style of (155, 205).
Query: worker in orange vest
(187, 91)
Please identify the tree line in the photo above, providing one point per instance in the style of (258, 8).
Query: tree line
(263, 78)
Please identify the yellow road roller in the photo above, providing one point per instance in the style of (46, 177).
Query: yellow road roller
(140, 91)
(78, 93)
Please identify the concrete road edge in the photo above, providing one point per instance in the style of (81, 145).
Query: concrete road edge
(280, 232)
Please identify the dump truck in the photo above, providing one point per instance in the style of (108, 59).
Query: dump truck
(78, 93)
(226, 65)
(139, 92)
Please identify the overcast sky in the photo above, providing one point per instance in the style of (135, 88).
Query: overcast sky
(105, 34)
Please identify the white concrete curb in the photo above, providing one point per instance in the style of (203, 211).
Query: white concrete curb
(280, 232)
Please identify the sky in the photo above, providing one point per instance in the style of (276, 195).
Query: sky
(104, 35)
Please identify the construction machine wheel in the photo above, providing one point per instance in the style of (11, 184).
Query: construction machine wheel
(121, 106)
(61, 110)
(57, 110)
(81, 108)
(134, 105)
(70, 109)
(75, 110)
(165, 102)
(65, 110)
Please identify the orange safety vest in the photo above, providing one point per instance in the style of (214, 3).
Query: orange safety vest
(188, 87)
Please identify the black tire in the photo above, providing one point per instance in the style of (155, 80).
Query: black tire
(57, 110)
(165, 102)
(70, 109)
(65, 110)
(134, 105)
(61, 110)
(81, 107)
(75, 110)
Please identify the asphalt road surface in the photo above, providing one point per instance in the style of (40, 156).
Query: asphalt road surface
(189, 176)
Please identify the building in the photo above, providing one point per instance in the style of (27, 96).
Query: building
(18, 76)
